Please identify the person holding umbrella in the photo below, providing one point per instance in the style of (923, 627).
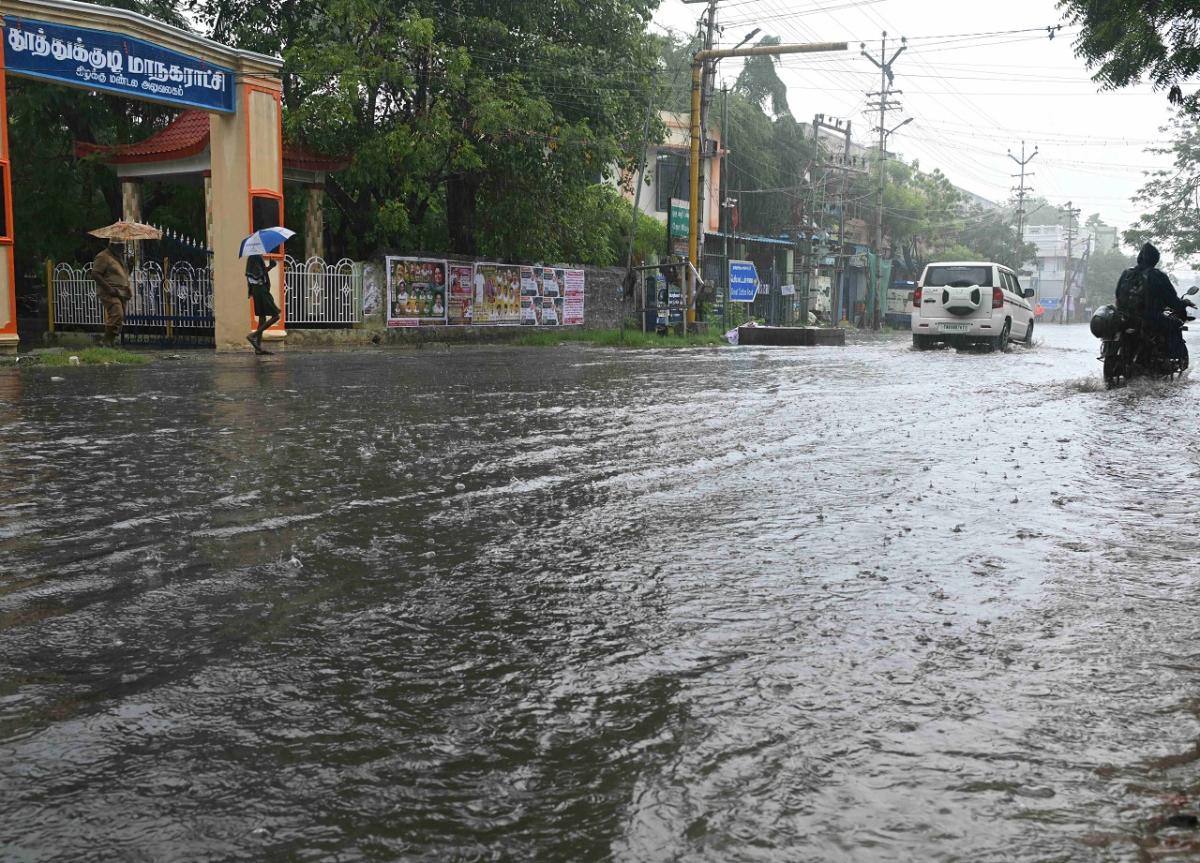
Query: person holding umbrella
(112, 287)
(111, 274)
(258, 279)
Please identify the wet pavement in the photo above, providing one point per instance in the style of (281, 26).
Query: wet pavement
(578, 604)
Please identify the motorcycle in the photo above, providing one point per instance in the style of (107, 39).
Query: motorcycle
(1129, 349)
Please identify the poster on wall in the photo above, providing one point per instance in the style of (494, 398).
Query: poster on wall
(416, 292)
(531, 282)
(497, 297)
(462, 294)
(551, 312)
(571, 310)
(529, 311)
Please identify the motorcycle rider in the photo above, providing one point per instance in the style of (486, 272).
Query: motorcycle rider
(1161, 297)
(1160, 293)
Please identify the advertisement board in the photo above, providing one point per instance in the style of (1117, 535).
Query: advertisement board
(416, 291)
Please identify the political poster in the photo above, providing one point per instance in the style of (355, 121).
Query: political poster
(416, 291)
(551, 312)
(529, 311)
(497, 297)
(573, 293)
(531, 282)
(462, 293)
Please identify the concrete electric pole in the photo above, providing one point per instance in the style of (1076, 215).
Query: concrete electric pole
(1071, 212)
(1023, 161)
(885, 104)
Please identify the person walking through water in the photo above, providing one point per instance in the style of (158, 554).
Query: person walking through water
(112, 287)
(259, 283)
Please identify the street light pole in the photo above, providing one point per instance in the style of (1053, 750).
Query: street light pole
(698, 60)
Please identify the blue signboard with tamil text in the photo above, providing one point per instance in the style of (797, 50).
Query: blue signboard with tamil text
(114, 63)
(743, 282)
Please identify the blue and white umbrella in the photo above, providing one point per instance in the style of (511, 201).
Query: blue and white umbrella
(264, 241)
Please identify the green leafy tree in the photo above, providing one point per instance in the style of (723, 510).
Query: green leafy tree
(1126, 41)
(759, 79)
(1172, 195)
(475, 127)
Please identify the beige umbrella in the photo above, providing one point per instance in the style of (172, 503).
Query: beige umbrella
(126, 231)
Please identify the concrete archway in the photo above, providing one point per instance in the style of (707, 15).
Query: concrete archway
(101, 48)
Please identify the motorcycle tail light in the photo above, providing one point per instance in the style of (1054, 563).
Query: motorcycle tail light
(997, 298)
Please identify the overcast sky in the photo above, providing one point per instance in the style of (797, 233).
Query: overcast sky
(972, 97)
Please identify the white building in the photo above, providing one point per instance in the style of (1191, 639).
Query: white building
(1050, 264)
(667, 173)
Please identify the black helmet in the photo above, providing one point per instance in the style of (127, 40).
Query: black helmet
(1106, 322)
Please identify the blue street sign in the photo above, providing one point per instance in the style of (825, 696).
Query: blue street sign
(1050, 304)
(743, 282)
(115, 63)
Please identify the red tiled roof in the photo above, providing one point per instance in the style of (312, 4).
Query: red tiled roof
(187, 135)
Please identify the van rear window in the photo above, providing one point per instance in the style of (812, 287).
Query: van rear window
(958, 277)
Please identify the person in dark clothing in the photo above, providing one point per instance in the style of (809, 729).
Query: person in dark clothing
(111, 275)
(258, 281)
(1161, 296)
(1160, 293)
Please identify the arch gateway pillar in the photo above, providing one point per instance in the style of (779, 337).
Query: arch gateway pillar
(102, 48)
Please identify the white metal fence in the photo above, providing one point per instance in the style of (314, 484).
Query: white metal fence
(74, 294)
(314, 293)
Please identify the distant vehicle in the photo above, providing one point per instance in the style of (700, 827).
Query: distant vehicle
(899, 304)
(967, 303)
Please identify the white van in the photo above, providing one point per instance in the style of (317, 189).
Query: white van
(963, 303)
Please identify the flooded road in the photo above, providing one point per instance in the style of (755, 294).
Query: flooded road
(577, 604)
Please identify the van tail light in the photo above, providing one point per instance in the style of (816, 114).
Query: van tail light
(917, 297)
(997, 298)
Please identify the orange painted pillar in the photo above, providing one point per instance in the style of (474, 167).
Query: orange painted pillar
(247, 194)
(8, 279)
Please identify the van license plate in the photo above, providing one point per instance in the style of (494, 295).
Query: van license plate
(954, 328)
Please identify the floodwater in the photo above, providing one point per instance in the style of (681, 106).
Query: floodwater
(577, 604)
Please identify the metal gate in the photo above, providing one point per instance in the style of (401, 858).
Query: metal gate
(175, 310)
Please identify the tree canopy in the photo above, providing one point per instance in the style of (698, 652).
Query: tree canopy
(1172, 195)
(476, 127)
(1125, 41)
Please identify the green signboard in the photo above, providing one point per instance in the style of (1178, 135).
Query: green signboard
(679, 217)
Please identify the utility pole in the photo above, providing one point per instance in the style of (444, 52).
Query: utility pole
(726, 203)
(1023, 161)
(699, 59)
(1072, 212)
(885, 104)
(843, 167)
(710, 70)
